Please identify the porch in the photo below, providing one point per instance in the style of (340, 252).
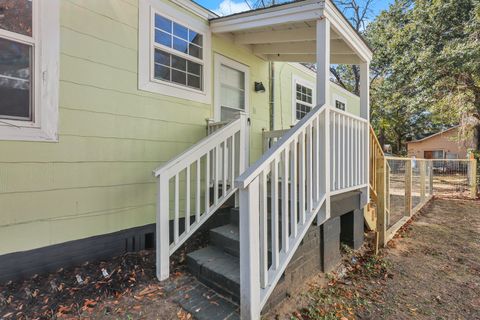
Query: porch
(290, 187)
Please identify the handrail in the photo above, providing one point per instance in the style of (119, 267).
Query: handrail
(214, 162)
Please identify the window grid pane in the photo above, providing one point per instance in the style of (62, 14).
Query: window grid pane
(174, 69)
(176, 36)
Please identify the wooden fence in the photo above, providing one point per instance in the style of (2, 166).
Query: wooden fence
(400, 187)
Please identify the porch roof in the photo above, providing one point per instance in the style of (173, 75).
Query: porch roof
(288, 32)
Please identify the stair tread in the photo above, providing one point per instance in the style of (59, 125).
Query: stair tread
(229, 231)
(218, 261)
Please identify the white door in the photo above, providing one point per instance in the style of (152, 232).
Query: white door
(231, 88)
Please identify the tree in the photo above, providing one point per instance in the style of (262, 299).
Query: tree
(427, 60)
(348, 76)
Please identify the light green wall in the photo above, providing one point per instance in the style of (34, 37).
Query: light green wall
(284, 74)
(98, 178)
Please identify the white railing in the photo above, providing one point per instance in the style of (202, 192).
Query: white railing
(349, 136)
(269, 138)
(213, 126)
(185, 185)
(289, 184)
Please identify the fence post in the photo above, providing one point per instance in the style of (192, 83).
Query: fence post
(163, 229)
(249, 251)
(430, 176)
(408, 187)
(423, 179)
(381, 200)
(473, 177)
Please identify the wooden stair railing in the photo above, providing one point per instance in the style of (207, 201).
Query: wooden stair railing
(378, 165)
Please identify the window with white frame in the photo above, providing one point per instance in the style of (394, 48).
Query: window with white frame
(174, 57)
(340, 102)
(303, 100)
(29, 53)
(178, 54)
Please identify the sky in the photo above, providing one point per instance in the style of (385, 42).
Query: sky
(226, 7)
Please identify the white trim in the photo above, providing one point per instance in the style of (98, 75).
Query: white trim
(290, 12)
(303, 82)
(300, 67)
(146, 81)
(345, 29)
(196, 9)
(222, 60)
(46, 52)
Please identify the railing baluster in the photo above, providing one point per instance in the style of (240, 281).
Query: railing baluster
(274, 213)
(344, 153)
(224, 166)
(334, 153)
(293, 190)
(301, 178)
(176, 210)
(187, 199)
(232, 155)
(285, 239)
(339, 150)
(309, 168)
(263, 230)
(217, 174)
(317, 153)
(207, 182)
(197, 193)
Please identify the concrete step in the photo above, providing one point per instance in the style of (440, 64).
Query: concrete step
(227, 238)
(216, 269)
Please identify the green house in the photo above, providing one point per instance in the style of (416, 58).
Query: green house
(97, 95)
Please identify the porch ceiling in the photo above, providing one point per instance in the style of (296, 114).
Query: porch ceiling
(288, 33)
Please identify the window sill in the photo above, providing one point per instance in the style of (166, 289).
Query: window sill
(12, 133)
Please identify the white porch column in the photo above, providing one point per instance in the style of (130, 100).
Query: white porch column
(365, 113)
(365, 90)
(323, 61)
(323, 98)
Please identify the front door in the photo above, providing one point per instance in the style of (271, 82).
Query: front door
(231, 88)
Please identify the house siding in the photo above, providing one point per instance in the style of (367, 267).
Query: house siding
(283, 95)
(98, 178)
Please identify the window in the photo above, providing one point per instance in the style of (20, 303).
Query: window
(16, 62)
(178, 54)
(340, 105)
(174, 58)
(28, 79)
(303, 100)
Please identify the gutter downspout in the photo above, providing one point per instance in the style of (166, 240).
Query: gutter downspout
(271, 94)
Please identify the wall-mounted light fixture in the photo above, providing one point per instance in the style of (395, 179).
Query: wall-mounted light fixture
(259, 87)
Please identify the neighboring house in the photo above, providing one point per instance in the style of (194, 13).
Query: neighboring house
(97, 94)
(442, 145)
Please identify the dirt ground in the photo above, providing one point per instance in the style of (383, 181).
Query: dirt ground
(431, 270)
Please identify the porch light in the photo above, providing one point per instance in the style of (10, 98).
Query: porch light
(259, 87)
